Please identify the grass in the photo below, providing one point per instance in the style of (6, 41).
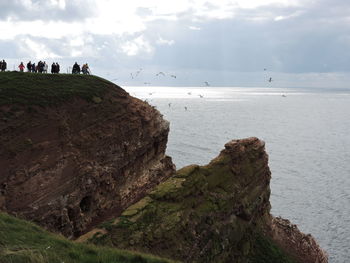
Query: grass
(49, 89)
(25, 242)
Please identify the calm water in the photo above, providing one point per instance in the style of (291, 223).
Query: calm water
(307, 138)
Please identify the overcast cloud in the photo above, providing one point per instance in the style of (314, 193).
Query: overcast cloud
(301, 43)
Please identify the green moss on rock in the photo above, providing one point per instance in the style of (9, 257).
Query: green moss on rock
(212, 213)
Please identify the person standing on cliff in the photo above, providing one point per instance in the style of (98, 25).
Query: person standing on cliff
(29, 66)
(3, 65)
(21, 67)
(76, 68)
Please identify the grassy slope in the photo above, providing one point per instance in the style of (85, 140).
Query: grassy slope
(21, 241)
(48, 89)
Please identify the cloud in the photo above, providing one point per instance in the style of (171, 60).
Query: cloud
(293, 36)
(137, 46)
(194, 28)
(46, 10)
(162, 41)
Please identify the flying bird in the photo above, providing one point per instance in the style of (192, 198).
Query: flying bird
(138, 72)
(173, 76)
(132, 76)
(201, 96)
(169, 104)
(185, 108)
(270, 79)
(206, 83)
(160, 73)
(189, 93)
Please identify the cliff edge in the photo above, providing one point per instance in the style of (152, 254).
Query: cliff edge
(76, 150)
(214, 213)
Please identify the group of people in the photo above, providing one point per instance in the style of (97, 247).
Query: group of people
(84, 69)
(42, 67)
(3, 65)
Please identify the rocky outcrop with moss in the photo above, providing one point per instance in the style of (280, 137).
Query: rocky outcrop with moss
(214, 213)
(76, 150)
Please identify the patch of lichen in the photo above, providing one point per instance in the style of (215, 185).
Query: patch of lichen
(202, 214)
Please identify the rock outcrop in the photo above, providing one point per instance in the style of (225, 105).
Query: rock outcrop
(214, 213)
(71, 164)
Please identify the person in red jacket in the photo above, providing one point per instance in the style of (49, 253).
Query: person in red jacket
(21, 67)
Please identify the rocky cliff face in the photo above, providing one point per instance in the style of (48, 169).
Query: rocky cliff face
(74, 164)
(213, 213)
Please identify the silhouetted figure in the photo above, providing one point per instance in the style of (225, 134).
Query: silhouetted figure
(58, 68)
(53, 68)
(29, 66)
(3, 65)
(40, 66)
(21, 67)
(33, 67)
(76, 68)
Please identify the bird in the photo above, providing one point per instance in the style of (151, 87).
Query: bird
(189, 93)
(160, 73)
(185, 108)
(147, 83)
(169, 104)
(138, 72)
(284, 96)
(206, 83)
(270, 79)
(173, 76)
(201, 96)
(264, 69)
(132, 76)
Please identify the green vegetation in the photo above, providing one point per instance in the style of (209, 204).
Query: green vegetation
(202, 214)
(49, 89)
(265, 251)
(24, 242)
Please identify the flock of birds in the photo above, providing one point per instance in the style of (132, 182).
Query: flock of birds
(135, 74)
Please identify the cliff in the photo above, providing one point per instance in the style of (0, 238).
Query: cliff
(214, 213)
(76, 150)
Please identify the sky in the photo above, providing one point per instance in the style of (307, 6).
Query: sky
(298, 43)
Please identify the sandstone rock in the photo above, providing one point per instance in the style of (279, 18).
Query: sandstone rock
(74, 164)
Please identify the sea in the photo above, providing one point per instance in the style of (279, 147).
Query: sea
(307, 136)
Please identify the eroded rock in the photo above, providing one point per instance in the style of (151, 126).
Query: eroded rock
(214, 213)
(73, 165)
